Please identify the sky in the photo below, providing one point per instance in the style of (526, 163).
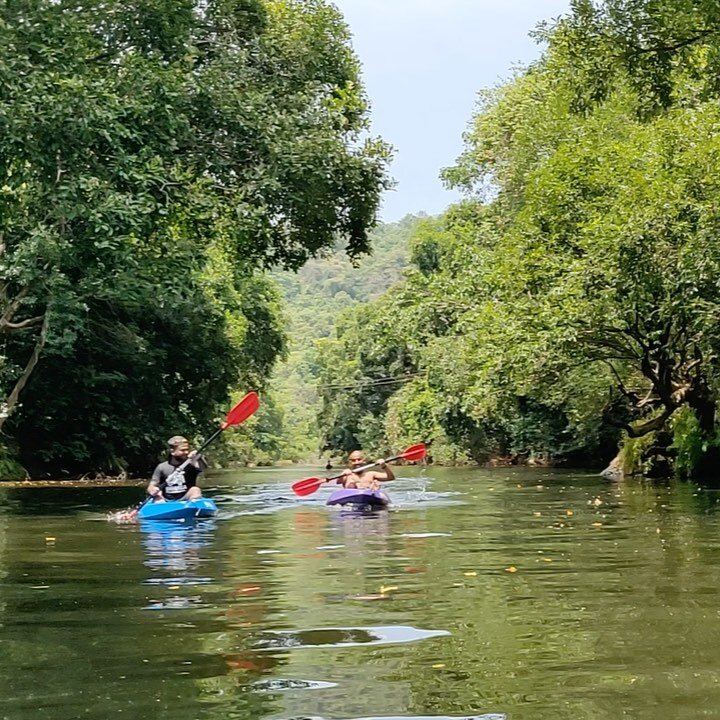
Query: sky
(424, 62)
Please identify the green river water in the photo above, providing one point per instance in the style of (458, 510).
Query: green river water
(500, 595)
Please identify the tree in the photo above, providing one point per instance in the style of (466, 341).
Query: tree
(613, 219)
(577, 287)
(141, 144)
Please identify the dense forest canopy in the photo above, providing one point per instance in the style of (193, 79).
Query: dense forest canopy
(169, 169)
(571, 301)
(154, 157)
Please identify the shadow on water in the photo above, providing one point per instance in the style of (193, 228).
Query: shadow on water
(64, 501)
(487, 716)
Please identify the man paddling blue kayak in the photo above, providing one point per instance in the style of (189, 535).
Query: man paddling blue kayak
(175, 479)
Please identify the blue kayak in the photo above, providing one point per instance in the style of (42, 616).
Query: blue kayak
(371, 499)
(178, 509)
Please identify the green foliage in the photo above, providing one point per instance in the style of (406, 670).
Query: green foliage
(633, 456)
(10, 468)
(690, 443)
(475, 387)
(154, 156)
(320, 292)
(257, 442)
(666, 50)
(575, 292)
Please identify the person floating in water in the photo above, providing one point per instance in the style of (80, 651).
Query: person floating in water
(169, 481)
(367, 479)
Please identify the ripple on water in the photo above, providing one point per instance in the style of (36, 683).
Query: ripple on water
(344, 637)
(486, 716)
(179, 581)
(266, 499)
(284, 684)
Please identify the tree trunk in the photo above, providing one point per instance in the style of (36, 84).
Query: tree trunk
(12, 399)
(705, 409)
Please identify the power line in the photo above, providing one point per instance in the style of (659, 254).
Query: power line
(374, 383)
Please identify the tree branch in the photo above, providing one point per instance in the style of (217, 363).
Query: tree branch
(11, 308)
(656, 423)
(701, 34)
(5, 325)
(11, 403)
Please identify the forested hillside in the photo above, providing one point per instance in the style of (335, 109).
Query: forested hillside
(314, 298)
(570, 304)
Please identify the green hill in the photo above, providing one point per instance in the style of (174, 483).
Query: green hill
(314, 297)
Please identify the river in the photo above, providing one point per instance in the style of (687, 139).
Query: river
(500, 595)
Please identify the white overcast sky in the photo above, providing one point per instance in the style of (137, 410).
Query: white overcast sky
(424, 62)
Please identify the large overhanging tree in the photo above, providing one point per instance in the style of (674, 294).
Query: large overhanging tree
(580, 280)
(602, 158)
(153, 155)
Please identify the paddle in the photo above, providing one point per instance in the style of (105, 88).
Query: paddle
(309, 485)
(238, 414)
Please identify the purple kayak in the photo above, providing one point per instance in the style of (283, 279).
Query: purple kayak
(359, 498)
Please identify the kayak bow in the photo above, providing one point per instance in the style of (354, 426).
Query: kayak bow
(178, 510)
(371, 499)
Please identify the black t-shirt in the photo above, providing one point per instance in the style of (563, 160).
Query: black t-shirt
(175, 483)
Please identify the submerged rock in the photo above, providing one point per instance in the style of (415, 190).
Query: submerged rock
(614, 470)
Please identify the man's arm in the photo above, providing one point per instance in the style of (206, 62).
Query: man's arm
(385, 474)
(154, 487)
(198, 461)
(348, 479)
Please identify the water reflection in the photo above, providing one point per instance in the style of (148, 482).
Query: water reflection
(565, 598)
(175, 551)
(285, 685)
(487, 716)
(358, 529)
(345, 637)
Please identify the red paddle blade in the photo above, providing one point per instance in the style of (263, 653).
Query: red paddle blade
(416, 452)
(242, 411)
(307, 486)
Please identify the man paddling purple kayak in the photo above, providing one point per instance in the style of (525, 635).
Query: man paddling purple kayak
(356, 476)
(308, 486)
